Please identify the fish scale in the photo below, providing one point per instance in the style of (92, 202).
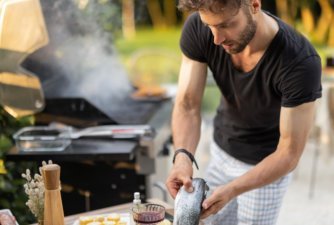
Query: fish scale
(188, 206)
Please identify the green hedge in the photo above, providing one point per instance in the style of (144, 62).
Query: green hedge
(11, 183)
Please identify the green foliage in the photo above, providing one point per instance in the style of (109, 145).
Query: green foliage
(5, 143)
(211, 99)
(12, 192)
(11, 183)
(9, 125)
(106, 14)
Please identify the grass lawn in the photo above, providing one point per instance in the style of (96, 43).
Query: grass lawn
(152, 56)
(150, 38)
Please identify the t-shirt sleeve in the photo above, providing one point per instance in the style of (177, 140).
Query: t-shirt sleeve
(191, 42)
(303, 83)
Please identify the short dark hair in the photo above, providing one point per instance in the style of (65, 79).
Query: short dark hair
(214, 6)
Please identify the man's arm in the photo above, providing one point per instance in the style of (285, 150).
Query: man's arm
(186, 121)
(186, 113)
(295, 126)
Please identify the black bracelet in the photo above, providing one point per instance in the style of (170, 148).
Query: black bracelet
(191, 157)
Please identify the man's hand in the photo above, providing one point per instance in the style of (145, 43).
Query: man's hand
(180, 175)
(216, 201)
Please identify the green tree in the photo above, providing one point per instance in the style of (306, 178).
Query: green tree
(316, 22)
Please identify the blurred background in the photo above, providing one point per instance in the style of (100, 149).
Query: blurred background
(143, 33)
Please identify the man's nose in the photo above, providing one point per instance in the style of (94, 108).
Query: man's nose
(219, 37)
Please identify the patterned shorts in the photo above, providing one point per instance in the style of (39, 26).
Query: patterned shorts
(257, 207)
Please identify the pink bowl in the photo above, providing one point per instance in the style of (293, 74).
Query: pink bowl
(148, 214)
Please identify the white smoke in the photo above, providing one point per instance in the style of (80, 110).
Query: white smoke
(83, 60)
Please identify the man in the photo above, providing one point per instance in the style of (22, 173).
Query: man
(269, 77)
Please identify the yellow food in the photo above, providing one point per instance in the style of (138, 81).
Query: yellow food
(84, 220)
(114, 217)
(108, 219)
(99, 218)
(110, 223)
(111, 219)
(94, 223)
(122, 223)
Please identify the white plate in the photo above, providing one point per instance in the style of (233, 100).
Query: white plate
(125, 217)
(7, 211)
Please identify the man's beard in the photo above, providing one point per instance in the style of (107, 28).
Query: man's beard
(245, 37)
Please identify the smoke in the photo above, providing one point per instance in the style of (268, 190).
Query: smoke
(79, 60)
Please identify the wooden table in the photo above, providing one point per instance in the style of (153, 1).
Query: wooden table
(123, 208)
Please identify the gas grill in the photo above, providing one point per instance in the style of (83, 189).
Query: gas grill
(84, 86)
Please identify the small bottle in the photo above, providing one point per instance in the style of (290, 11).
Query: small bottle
(136, 207)
(136, 200)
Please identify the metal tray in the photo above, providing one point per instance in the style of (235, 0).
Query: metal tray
(42, 138)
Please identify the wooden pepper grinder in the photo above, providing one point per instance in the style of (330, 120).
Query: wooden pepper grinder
(53, 207)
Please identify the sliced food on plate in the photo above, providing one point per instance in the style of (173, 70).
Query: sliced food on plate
(105, 219)
(110, 219)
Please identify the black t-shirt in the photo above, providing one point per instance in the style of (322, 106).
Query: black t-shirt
(288, 74)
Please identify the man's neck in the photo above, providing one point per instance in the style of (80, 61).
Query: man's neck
(267, 28)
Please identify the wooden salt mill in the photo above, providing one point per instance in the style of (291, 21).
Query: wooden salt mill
(53, 207)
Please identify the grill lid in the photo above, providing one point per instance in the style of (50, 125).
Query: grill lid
(82, 78)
